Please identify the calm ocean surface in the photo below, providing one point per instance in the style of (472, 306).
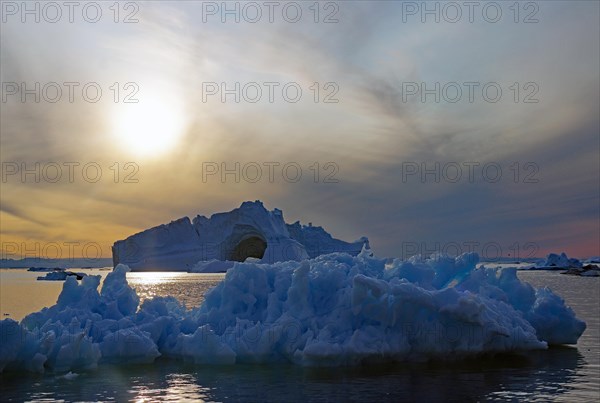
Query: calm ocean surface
(570, 374)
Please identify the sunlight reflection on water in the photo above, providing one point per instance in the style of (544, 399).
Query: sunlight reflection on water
(188, 288)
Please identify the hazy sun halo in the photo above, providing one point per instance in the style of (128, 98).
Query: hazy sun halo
(151, 127)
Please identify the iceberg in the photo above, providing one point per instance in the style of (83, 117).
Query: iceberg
(45, 269)
(250, 231)
(214, 266)
(570, 266)
(332, 310)
(562, 261)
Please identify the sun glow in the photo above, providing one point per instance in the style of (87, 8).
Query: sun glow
(150, 127)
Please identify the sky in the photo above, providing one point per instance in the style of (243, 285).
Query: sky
(423, 126)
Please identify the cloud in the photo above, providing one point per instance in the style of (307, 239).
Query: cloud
(370, 134)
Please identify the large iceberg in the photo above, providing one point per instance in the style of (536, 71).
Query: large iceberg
(250, 231)
(336, 309)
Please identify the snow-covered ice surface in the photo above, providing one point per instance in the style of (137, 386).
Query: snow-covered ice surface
(336, 309)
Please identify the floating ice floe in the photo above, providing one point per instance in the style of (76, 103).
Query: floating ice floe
(336, 309)
(589, 270)
(61, 275)
(45, 269)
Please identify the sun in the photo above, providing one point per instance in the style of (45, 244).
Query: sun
(151, 127)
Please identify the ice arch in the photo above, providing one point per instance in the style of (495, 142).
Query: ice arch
(250, 246)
